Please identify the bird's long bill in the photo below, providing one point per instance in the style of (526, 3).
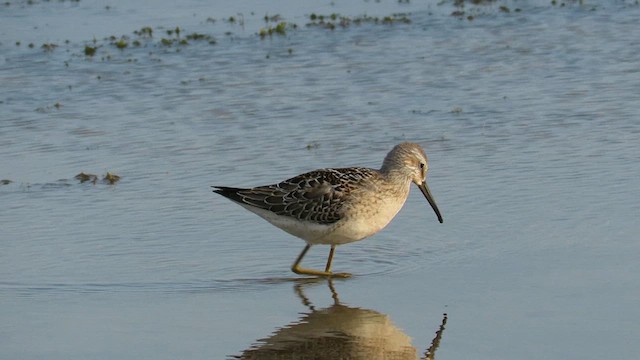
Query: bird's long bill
(425, 191)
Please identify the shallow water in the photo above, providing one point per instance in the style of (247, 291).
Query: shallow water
(530, 120)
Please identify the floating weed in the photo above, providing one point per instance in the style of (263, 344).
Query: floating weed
(5, 182)
(273, 18)
(48, 108)
(481, 7)
(334, 20)
(201, 37)
(120, 43)
(110, 178)
(90, 50)
(83, 177)
(196, 36)
(279, 29)
(48, 47)
(146, 32)
(313, 145)
(174, 31)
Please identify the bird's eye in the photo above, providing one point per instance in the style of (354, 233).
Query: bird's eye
(421, 166)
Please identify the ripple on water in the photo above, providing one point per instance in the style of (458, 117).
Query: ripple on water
(48, 290)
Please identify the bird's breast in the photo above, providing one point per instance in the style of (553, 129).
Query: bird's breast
(364, 218)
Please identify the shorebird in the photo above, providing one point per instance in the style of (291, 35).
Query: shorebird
(338, 206)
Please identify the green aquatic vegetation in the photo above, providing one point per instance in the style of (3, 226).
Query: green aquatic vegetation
(473, 8)
(279, 29)
(461, 3)
(90, 50)
(334, 20)
(201, 37)
(5, 182)
(272, 18)
(174, 31)
(110, 178)
(83, 177)
(121, 44)
(145, 31)
(49, 46)
(196, 36)
(166, 42)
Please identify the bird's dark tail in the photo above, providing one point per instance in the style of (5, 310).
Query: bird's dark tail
(229, 192)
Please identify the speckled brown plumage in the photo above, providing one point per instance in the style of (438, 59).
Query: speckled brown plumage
(316, 196)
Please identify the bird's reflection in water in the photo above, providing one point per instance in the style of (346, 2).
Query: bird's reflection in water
(339, 332)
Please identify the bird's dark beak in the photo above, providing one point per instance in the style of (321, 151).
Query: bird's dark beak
(425, 191)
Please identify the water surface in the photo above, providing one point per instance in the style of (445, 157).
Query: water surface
(530, 119)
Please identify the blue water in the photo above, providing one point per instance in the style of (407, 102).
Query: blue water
(530, 120)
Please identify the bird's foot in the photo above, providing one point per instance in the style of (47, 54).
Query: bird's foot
(303, 271)
(340, 275)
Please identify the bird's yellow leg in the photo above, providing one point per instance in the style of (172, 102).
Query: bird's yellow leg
(302, 271)
(327, 268)
(330, 259)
